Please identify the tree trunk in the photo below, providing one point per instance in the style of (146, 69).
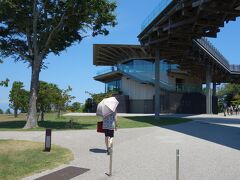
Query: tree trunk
(42, 115)
(38, 114)
(15, 112)
(32, 111)
(59, 113)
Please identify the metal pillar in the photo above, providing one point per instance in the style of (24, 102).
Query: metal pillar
(208, 90)
(214, 89)
(157, 84)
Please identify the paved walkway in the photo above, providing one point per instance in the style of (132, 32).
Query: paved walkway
(209, 149)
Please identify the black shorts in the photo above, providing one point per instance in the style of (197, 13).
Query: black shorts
(109, 133)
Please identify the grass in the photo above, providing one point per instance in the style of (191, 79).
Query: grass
(23, 158)
(8, 122)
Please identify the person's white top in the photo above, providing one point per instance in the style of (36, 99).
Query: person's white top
(109, 122)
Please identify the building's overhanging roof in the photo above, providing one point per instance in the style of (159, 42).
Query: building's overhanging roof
(106, 77)
(111, 54)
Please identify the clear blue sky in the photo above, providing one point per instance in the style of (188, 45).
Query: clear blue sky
(75, 67)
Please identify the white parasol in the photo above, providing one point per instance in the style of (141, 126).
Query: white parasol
(107, 106)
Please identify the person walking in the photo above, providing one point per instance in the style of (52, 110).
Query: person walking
(109, 125)
(107, 109)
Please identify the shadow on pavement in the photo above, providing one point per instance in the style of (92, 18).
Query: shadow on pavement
(96, 150)
(217, 133)
(60, 125)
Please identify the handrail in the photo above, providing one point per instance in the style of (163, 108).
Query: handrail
(232, 68)
(235, 68)
(155, 12)
(214, 51)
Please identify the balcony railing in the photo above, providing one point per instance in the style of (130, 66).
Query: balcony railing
(147, 76)
(107, 70)
(156, 11)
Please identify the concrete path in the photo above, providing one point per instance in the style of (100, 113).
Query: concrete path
(209, 149)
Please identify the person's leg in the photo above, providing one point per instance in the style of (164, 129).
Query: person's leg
(106, 141)
(110, 141)
(111, 134)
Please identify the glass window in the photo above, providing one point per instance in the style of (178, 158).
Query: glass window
(113, 85)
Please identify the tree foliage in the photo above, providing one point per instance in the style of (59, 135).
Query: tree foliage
(91, 103)
(31, 29)
(8, 111)
(18, 97)
(97, 98)
(230, 93)
(47, 95)
(51, 97)
(76, 106)
(63, 100)
(1, 111)
(4, 82)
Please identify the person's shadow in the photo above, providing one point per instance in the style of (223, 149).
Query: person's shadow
(97, 150)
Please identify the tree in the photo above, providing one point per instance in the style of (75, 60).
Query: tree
(8, 111)
(91, 103)
(25, 100)
(97, 98)
(63, 99)
(230, 93)
(88, 105)
(47, 97)
(76, 106)
(32, 29)
(18, 97)
(1, 111)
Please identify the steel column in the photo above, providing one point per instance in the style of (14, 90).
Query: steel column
(208, 90)
(157, 84)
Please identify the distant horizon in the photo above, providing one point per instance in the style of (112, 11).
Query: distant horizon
(74, 67)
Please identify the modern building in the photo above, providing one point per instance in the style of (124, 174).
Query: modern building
(170, 61)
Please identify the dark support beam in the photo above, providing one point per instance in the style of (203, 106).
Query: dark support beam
(209, 90)
(157, 84)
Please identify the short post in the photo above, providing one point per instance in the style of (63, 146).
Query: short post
(48, 136)
(110, 162)
(177, 164)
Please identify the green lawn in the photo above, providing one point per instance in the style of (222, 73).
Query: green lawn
(88, 122)
(23, 158)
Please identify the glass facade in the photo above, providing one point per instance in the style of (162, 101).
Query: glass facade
(144, 70)
(113, 85)
(138, 66)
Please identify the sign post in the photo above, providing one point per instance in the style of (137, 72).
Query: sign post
(48, 136)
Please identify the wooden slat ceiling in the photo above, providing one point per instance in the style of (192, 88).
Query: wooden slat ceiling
(112, 54)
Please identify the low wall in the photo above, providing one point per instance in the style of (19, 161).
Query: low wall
(181, 103)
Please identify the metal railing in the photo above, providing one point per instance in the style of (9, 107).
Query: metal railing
(235, 68)
(204, 42)
(148, 76)
(107, 70)
(214, 51)
(156, 11)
